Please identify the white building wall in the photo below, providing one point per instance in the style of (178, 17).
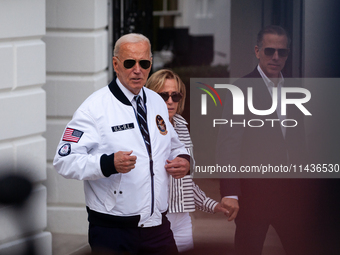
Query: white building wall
(22, 118)
(76, 52)
(208, 17)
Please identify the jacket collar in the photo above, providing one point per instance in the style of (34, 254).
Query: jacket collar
(118, 93)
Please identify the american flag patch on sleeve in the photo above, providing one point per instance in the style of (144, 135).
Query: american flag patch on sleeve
(72, 135)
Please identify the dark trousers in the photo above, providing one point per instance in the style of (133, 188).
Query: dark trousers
(132, 240)
(251, 232)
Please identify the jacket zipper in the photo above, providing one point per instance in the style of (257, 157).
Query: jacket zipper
(152, 184)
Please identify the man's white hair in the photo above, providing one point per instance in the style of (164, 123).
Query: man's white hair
(130, 38)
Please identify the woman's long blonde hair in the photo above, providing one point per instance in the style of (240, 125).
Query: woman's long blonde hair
(157, 80)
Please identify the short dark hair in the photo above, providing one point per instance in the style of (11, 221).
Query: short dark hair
(271, 29)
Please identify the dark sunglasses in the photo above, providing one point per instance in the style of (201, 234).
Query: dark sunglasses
(176, 96)
(271, 51)
(129, 63)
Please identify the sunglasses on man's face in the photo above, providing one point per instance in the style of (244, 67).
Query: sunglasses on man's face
(129, 63)
(176, 96)
(271, 51)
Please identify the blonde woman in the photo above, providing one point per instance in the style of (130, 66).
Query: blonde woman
(184, 195)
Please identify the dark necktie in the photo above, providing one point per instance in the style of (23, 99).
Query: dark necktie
(143, 126)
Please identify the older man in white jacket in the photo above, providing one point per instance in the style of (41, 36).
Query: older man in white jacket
(125, 173)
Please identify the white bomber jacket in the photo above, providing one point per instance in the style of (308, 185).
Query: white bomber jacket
(104, 124)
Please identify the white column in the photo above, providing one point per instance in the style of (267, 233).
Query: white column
(76, 52)
(23, 120)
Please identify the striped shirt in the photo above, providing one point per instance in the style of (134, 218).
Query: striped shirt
(185, 195)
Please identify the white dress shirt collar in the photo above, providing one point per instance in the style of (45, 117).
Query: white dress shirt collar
(268, 82)
(128, 93)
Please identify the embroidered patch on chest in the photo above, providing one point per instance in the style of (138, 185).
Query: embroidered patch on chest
(161, 125)
(123, 127)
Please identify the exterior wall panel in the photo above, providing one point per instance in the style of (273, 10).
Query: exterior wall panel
(23, 120)
(77, 61)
